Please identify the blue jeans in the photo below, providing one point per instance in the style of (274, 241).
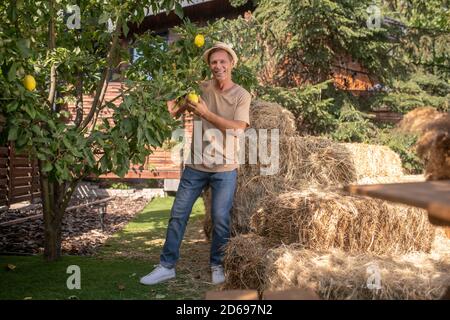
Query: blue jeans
(223, 186)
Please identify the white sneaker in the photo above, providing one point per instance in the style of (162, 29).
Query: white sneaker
(218, 276)
(158, 275)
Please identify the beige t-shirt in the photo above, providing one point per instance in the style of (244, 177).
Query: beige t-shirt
(209, 150)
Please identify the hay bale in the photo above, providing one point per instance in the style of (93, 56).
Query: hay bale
(263, 115)
(373, 161)
(253, 262)
(418, 120)
(316, 161)
(335, 274)
(269, 115)
(309, 161)
(434, 149)
(302, 161)
(433, 146)
(244, 262)
(323, 162)
(321, 220)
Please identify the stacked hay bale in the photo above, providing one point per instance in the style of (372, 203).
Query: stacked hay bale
(301, 207)
(263, 115)
(245, 262)
(254, 262)
(418, 120)
(335, 274)
(433, 146)
(305, 161)
(321, 220)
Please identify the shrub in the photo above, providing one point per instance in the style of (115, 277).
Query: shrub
(404, 145)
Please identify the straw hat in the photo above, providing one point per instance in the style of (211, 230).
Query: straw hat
(223, 46)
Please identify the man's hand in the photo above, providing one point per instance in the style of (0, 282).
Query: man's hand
(176, 108)
(219, 122)
(198, 108)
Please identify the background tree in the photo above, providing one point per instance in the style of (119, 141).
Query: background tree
(295, 48)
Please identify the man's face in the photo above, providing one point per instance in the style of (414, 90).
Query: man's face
(220, 65)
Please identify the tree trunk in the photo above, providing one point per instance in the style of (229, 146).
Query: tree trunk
(52, 235)
(55, 199)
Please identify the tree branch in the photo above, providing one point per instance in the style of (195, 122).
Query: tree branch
(51, 46)
(79, 103)
(102, 85)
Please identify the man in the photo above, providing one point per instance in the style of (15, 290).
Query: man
(223, 108)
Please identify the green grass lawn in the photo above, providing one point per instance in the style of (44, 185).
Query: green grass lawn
(115, 271)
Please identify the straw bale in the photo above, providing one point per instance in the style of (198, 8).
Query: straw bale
(321, 220)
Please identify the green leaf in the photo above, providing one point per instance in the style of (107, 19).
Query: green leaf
(12, 72)
(12, 134)
(30, 111)
(103, 18)
(106, 123)
(12, 106)
(67, 143)
(125, 28)
(41, 156)
(12, 12)
(23, 45)
(22, 140)
(47, 167)
(36, 129)
(51, 124)
(179, 10)
(150, 139)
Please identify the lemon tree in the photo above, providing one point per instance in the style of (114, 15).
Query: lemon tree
(53, 53)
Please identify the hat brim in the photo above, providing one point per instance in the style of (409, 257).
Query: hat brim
(221, 47)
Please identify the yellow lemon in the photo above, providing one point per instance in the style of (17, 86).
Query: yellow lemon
(193, 97)
(29, 83)
(199, 40)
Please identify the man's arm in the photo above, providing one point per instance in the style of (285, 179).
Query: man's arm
(219, 122)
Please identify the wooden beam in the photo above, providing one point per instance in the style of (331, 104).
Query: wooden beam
(433, 196)
(232, 295)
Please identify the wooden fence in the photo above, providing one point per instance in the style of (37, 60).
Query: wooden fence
(19, 177)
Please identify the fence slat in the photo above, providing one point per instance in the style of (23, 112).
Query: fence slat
(21, 172)
(22, 162)
(16, 199)
(20, 191)
(3, 162)
(22, 181)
